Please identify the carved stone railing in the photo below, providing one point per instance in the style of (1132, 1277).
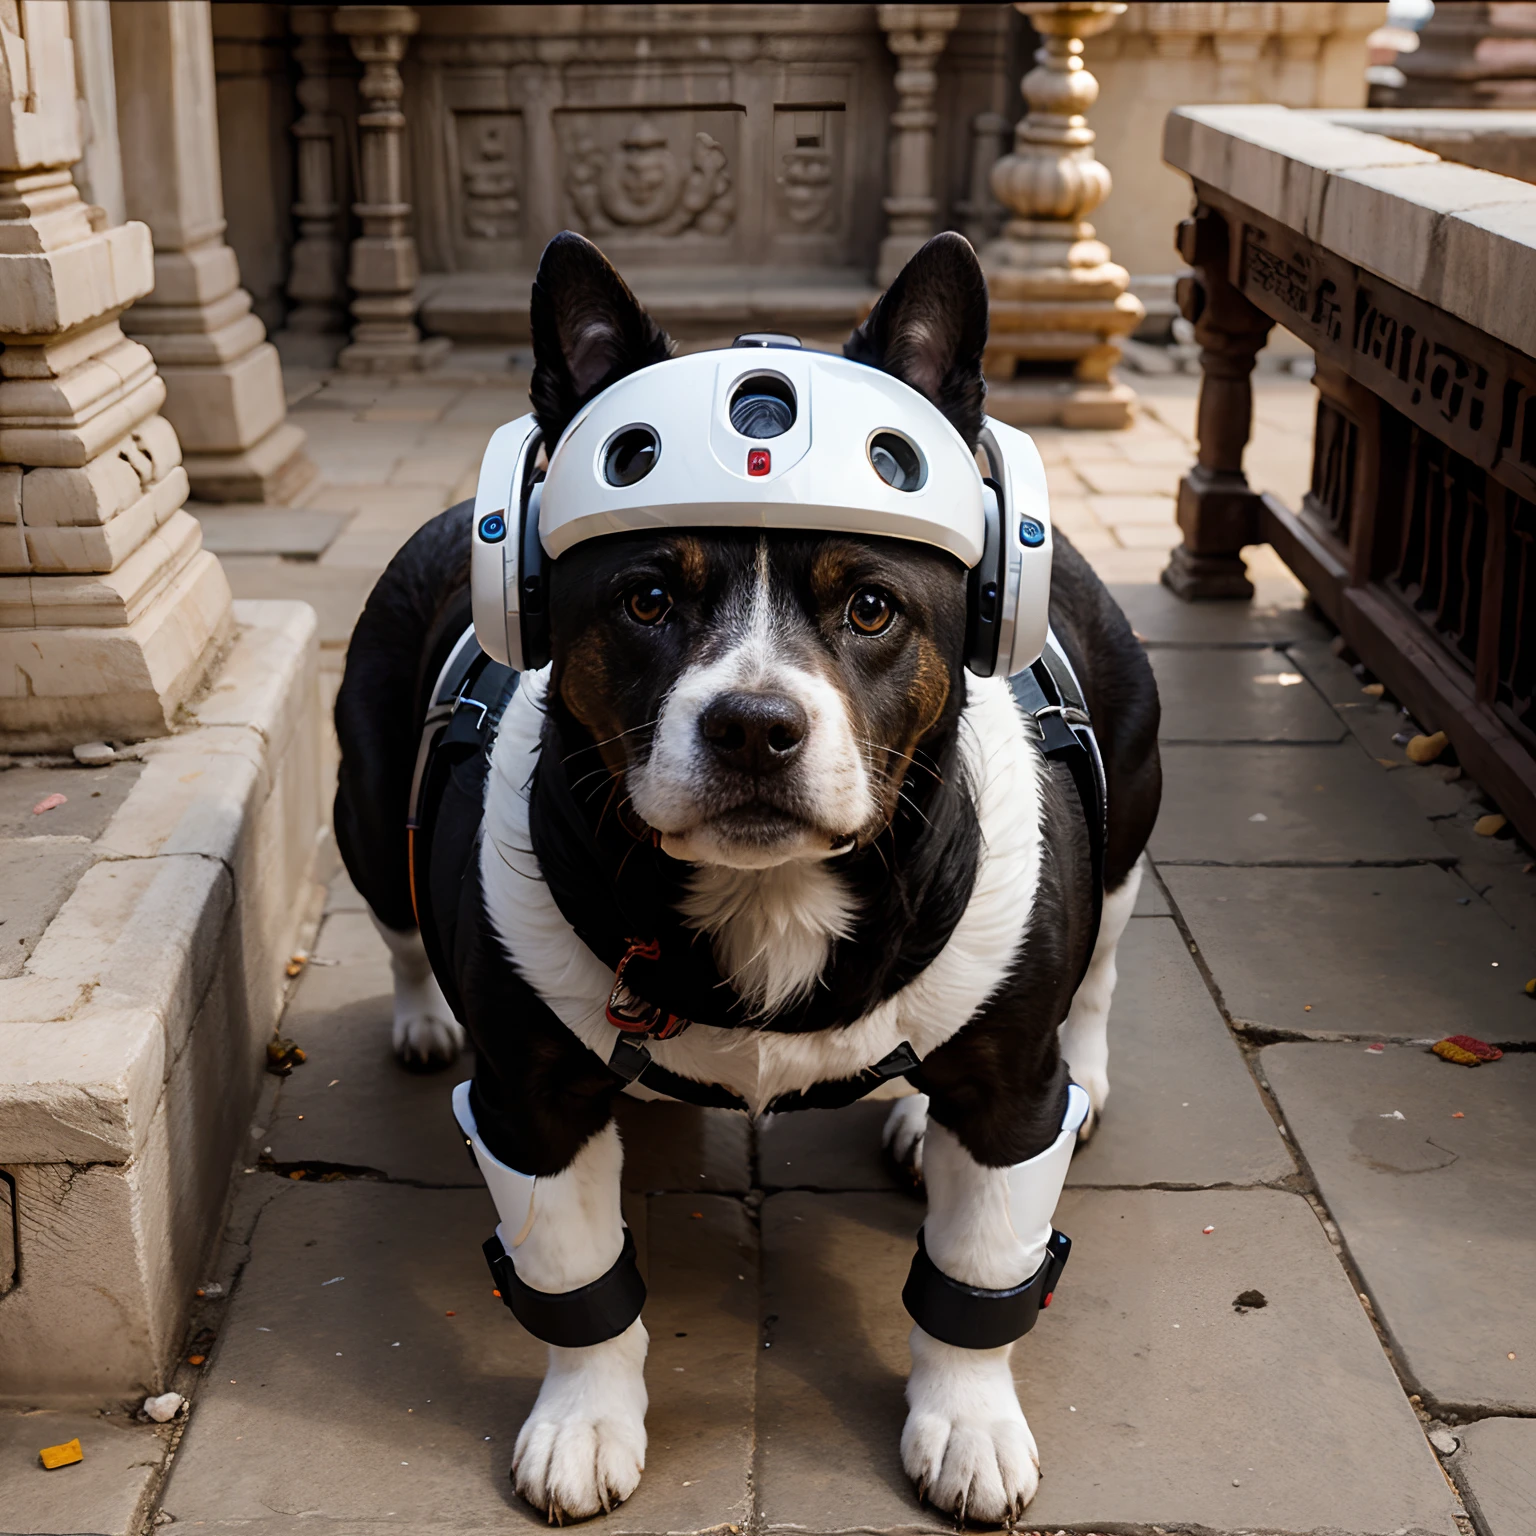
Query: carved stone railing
(1415, 282)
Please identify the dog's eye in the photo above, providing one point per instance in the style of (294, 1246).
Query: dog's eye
(648, 603)
(870, 610)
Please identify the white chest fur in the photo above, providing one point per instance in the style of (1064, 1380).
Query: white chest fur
(791, 913)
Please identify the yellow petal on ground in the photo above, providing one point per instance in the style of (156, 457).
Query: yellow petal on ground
(65, 1455)
(1490, 826)
(1425, 749)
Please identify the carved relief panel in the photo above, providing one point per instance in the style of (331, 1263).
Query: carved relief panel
(653, 173)
(808, 151)
(490, 174)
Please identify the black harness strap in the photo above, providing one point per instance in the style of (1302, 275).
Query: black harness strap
(972, 1318)
(575, 1319)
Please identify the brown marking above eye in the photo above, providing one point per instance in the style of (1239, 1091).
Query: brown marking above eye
(829, 573)
(692, 561)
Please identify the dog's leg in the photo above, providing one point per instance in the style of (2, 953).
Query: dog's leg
(902, 1136)
(1084, 1032)
(582, 1449)
(966, 1443)
(426, 1032)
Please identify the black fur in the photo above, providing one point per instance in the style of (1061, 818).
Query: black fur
(588, 331)
(999, 1083)
(929, 330)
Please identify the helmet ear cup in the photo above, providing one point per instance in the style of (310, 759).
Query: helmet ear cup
(985, 590)
(1017, 503)
(533, 584)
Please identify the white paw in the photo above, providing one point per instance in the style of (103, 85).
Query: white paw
(424, 1040)
(1096, 1086)
(902, 1136)
(966, 1444)
(582, 1449)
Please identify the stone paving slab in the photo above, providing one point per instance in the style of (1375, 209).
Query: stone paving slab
(1222, 694)
(828, 1149)
(37, 877)
(1314, 804)
(360, 1108)
(1182, 1108)
(1437, 1212)
(295, 533)
(367, 1403)
(92, 796)
(1385, 953)
(1149, 1394)
(336, 593)
(1496, 1472)
(97, 1496)
(1160, 618)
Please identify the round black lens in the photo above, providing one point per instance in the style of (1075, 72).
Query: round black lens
(763, 406)
(631, 456)
(896, 461)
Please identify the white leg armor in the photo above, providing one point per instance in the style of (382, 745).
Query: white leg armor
(512, 1191)
(973, 1315)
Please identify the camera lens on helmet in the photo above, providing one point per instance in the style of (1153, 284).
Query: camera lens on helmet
(896, 461)
(630, 456)
(763, 406)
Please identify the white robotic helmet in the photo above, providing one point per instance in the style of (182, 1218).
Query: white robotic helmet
(765, 434)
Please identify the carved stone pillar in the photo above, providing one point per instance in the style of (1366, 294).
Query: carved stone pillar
(223, 380)
(1218, 513)
(384, 269)
(916, 35)
(980, 213)
(1059, 304)
(110, 609)
(317, 282)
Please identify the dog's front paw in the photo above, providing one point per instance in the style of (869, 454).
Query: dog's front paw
(902, 1137)
(425, 1040)
(966, 1444)
(1096, 1086)
(582, 1449)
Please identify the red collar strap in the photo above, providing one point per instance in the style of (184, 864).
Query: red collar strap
(633, 1014)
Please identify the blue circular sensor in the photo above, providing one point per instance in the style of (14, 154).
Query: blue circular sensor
(493, 529)
(1031, 533)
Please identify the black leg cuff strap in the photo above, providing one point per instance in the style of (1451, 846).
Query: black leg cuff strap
(971, 1318)
(573, 1319)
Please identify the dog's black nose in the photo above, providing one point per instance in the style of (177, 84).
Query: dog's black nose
(754, 733)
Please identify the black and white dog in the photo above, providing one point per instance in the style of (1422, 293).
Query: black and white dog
(726, 710)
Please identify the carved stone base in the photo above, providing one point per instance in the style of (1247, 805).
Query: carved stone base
(276, 470)
(1196, 578)
(394, 356)
(114, 682)
(1062, 403)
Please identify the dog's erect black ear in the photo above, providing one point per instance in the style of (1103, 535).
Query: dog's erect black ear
(930, 328)
(588, 330)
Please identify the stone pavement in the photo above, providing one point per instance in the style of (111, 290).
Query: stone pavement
(1350, 1348)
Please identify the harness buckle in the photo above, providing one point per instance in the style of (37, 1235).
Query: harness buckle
(632, 1014)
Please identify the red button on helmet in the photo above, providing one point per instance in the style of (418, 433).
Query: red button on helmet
(759, 461)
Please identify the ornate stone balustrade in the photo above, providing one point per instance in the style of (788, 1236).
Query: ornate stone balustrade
(1415, 282)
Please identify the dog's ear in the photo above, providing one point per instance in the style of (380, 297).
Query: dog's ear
(929, 329)
(588, 330)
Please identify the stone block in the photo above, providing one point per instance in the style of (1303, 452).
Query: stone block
(105, 548)
(138, 674)
(103, 1493)
(1153, 1400)
(412, 1358)
(1496, 1472)
(36, 877)
(89, 495)
(258, 530)
(275, 470)
(73, 445)
(1436, 1212)
(199, 276)
(1238, 695)
(50, 291)
(1165, 1124)
(226, 409)
(1285, 805)
(1382, 954)
(139, 1023)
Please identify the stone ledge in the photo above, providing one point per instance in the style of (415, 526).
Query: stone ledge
(134, 1036)
(1461, 239)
